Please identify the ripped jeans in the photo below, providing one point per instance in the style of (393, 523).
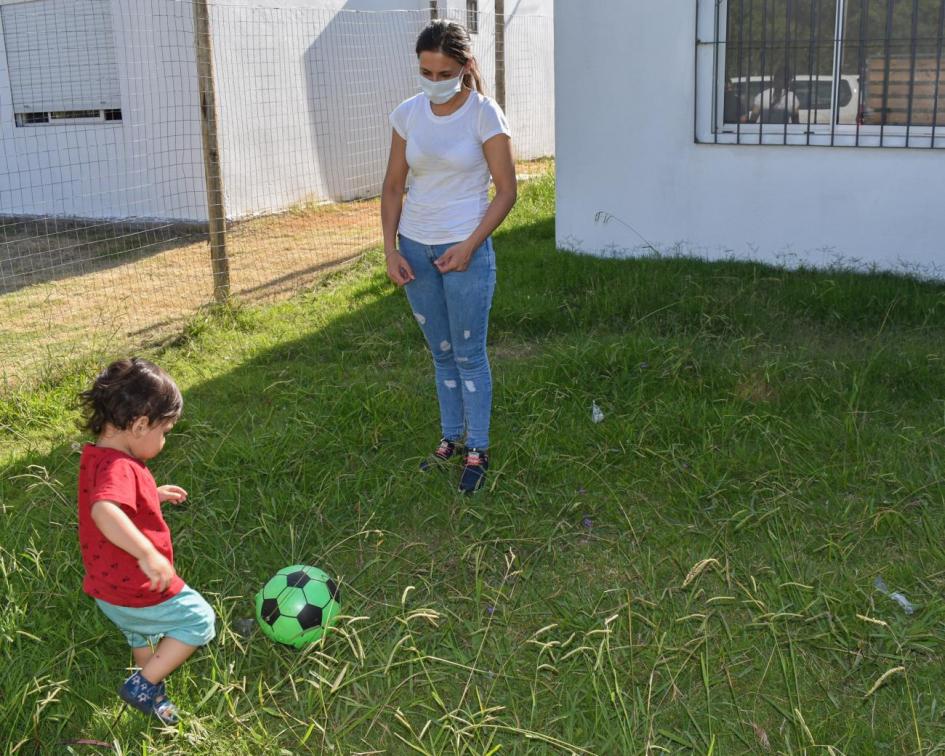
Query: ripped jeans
(453, 312)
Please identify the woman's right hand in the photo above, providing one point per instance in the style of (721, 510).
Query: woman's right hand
(398, 269)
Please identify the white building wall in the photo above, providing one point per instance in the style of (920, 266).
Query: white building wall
(625, 133)
(529, 68)
(147, 166)
(303, 91)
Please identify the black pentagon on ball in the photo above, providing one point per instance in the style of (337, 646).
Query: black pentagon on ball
(270, 610)
(333, 590)
(309, 617)
(297, 579)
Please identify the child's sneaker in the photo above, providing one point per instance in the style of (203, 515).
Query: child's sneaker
(150, 698)
(474, 471)
(443, 453)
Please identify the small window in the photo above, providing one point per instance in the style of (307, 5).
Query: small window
(472, 16)
(74, 115)
(31, 119)
(61, 61)
(65, 117)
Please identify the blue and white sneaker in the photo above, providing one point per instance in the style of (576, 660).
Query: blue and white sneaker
(150, 698)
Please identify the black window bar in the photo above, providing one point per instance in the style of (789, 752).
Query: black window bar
(774, 63)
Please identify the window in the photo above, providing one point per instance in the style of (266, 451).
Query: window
(834, 72)
(60, 117)
(472, 16)
(61, 62)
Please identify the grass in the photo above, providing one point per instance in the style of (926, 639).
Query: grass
(693, 574)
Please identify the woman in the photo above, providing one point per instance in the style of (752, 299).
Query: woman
(777, 104)
(449, 139)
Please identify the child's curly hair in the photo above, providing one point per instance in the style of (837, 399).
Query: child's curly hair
(128, 389)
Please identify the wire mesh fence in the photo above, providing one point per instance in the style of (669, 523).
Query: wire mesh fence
(156, 154)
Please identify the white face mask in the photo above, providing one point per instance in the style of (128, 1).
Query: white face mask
(441, 91)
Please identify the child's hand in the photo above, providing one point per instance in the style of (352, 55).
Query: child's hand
(175, 494)
(158, 570)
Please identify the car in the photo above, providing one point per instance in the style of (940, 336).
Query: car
(813, 93)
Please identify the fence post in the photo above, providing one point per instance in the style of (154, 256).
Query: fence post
(433, 10)
(216, 212)
(500, 53)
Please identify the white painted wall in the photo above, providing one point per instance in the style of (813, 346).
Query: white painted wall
(625, 134)
(303, 90)
(148, 166)
(304, 94)
(529, 68)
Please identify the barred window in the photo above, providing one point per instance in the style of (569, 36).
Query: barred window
(839, 72)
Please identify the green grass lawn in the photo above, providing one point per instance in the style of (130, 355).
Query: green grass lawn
(693, 574)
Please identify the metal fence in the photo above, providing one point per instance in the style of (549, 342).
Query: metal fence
(157, 155)
(822, 72)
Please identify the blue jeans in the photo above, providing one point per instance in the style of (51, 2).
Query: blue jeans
(453, 312)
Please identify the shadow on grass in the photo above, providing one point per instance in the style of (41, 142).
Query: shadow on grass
(41, 250)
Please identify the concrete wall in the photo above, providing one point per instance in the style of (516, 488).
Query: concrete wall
(149, 165)
(625, 134)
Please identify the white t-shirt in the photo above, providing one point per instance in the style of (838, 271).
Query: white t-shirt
(448, 182)
(787, 101)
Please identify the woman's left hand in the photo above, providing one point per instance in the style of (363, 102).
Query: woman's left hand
(456, 258)
(175, 494)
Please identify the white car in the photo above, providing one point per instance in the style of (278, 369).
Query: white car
(813, 93)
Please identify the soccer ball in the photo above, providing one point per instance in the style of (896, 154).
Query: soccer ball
(297, 605)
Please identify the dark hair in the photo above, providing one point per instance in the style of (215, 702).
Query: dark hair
(780, 82)
(129, 389)
(451, 39)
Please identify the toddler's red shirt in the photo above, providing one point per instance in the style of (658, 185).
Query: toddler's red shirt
(111, 573)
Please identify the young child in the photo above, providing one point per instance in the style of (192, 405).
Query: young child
(126, 545)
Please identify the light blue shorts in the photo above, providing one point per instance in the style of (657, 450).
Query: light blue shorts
(186, 617)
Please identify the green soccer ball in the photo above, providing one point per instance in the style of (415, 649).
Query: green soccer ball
(297, 605)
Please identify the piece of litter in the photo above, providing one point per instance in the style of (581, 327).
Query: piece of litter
(906, 605)
(880, 585)
(596, 414)
(587, 522)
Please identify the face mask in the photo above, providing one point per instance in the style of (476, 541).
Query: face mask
(441, 91)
